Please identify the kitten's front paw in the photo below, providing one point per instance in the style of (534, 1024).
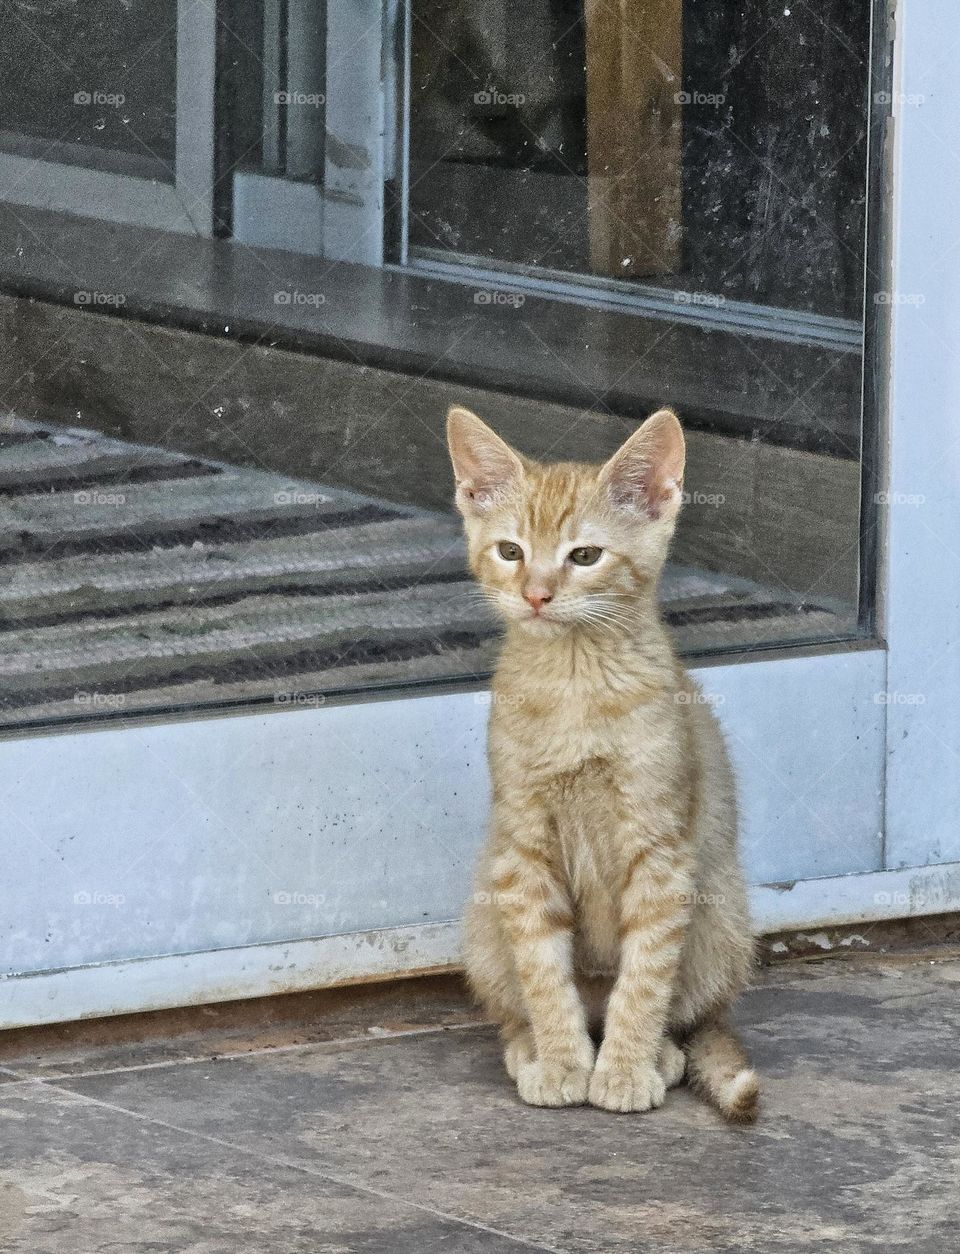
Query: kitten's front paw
(626, 1088)
(549, 1082)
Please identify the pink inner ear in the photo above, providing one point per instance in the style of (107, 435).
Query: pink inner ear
(636, 483)
(482, 462)
(485, 470)
(648, 469)
(481, 484)
(479, 496)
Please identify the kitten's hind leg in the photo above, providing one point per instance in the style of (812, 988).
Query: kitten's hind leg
(671, 1063)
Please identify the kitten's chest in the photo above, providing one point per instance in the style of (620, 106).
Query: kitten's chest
(579, 747)
(602, 787)
(587, 818)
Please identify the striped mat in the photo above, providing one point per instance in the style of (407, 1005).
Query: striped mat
(134, 580)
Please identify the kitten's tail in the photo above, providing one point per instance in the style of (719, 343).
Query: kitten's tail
(719, 1070)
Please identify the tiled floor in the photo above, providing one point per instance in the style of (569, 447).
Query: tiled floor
(403, 1134)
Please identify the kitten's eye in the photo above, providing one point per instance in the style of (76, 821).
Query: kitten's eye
(585, 555)
(509, 551)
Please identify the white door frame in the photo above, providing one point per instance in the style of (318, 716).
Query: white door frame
(264, 852)
(205, 859)
(922, 562)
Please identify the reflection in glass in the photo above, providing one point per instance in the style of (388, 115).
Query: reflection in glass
(90, 82)
(562, 214)
(718, 148)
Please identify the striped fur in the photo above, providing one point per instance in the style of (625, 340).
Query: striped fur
(609, 898)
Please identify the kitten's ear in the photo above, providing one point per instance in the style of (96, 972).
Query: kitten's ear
(646, 473)
(483, 464)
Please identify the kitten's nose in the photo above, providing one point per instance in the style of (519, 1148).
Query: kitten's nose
(537, 597)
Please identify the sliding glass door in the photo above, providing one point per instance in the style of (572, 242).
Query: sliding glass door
(233, 318)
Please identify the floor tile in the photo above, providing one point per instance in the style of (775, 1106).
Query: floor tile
(857, 1147)
(80, 1178)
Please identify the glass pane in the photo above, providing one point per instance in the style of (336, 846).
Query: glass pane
(91, 83)
(240, 492)
(717, 150)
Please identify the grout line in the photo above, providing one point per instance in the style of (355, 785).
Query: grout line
(341, 1181)
(227, 1056)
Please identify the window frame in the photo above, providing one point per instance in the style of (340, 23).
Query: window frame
(183, 205)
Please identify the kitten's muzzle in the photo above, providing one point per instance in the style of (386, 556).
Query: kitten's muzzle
(537, 598)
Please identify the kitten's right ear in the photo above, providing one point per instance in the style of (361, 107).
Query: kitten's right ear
(645, 475)
(483, 464)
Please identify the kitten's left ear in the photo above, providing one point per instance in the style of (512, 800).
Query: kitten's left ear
(646, 473)
(483, 465)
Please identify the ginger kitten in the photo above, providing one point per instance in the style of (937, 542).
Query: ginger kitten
(609, 895)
